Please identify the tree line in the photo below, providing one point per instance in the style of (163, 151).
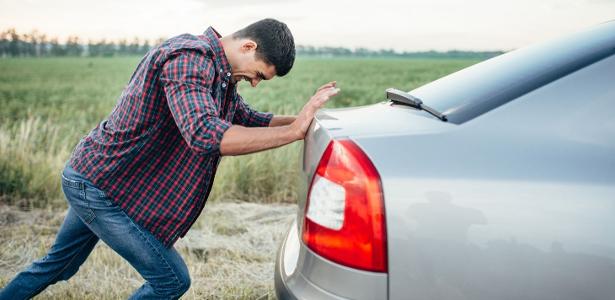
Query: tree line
(35, 44)
(364, 52)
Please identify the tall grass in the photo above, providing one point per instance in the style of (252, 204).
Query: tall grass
(48, 104)
(32, 151)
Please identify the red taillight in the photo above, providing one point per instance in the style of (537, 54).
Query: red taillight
(344, 214)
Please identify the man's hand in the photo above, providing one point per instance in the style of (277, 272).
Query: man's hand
(239, 140)
(304, 118)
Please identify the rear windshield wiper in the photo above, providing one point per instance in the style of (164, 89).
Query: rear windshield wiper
(402, 97)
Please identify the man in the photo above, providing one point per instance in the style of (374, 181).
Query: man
(140, 179)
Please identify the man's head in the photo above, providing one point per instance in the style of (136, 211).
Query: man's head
(260, 51)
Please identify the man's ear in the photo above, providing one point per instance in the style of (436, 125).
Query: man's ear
(248, 45)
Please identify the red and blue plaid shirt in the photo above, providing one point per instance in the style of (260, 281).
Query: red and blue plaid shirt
(157, 152)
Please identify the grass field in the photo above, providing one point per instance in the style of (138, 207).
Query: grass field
(48, 104)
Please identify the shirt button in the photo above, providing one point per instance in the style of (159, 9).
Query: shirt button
(223, 84)
(228, 74)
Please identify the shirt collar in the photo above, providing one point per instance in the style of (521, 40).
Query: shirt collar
(213, 36)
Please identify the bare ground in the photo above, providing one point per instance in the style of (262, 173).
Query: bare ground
(230, 253)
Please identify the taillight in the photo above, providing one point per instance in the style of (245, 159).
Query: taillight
(344, 219)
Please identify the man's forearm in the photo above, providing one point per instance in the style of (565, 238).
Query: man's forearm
(281, 120)
(282, 130)
(239, 140)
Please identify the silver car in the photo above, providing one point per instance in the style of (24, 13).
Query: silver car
(495, 182)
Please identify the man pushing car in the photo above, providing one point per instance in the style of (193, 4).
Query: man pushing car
(140, 179)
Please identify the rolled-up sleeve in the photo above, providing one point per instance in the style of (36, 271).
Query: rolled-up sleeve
(246, 116)
(187, 80)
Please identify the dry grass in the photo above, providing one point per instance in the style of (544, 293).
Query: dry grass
(230, 253)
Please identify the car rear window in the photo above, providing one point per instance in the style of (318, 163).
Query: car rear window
(480, 88)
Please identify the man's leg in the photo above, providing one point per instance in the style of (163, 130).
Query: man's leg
(163, 268)
(73, 244)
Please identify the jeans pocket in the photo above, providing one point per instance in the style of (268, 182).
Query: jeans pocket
(96, 197)
(73, 189)
(75, 193)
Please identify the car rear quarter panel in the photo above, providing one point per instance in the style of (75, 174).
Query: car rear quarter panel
(312, 276)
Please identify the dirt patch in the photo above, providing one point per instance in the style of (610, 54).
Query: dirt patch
(230, 253)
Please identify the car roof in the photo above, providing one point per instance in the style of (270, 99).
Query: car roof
(482, 87)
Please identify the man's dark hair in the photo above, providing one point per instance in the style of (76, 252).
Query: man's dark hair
(275, 43)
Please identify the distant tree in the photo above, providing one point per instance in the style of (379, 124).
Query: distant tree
(4, 44)
(101, 48)
(108, 49)
(73, 46)
(145, 47)
(43, 45)
(92, 48)
(133, 48)
(14, 47)
(386, 52)
(29, 44)
(56, 48)
(122, 47)
(305, 50)
(362, 52)
(34, 43)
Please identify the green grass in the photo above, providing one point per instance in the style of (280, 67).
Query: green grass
(48, 104)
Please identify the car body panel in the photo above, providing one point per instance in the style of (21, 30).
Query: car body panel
(539, 226)
(515, 203)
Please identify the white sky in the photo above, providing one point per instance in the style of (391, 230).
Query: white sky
(402, 25)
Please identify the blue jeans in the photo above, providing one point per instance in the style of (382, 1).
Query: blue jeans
(92, 216)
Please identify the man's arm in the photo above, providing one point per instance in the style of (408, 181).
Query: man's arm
(187, 79)
(282, 120)
(239, 140)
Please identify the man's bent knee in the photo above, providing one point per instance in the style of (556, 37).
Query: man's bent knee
(174, 289)
(183, 278)
(184, 282)
(184, 286)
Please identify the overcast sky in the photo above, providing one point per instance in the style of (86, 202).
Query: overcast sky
(402, 25)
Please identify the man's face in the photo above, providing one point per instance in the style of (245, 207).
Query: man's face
(249, 68)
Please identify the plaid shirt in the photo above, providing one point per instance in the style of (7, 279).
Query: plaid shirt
(156, 154)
